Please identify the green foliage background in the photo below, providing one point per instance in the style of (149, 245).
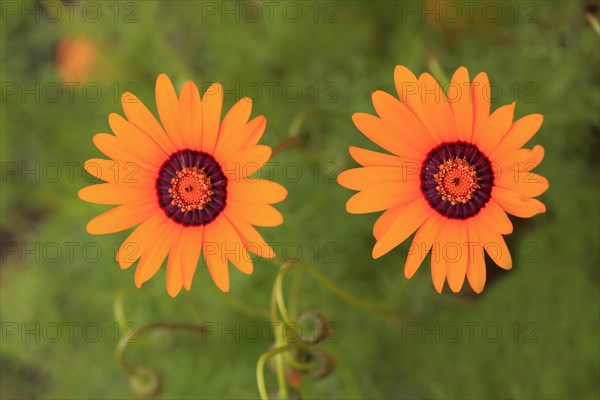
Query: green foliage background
(544, 55)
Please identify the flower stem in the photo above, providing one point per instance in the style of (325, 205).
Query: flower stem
(123, 343)
(278, 291)
(278, 304)
(296, 124)
(296, 291)
(593, 21)
(304, 366)
(284, 145)
(236, 302)
(342, 294)
(260, 369)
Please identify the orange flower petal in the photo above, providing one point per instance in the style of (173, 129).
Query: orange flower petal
(408, 129)
(119, 151)
(153, 258)
(527, 184)
(441, 122)
(254, 131)
(248, 136)
(520, 160)
(234, 122)
(110, 193)
(476, 273)
(381, 197)
(139, 115)
(517, 204)
(382, 135)
(520, 132)
(425, 237)
(120, 172)
(122, 217)
(174, 276)
(496, 217)
(231, 245)
(456, 253)
(256, 191)
(190, 123)
(438, 274)
(134, 138)
(168, 105)
(365, 177)
(140, 239)
(461, 103)
(212, 102)
(370, 158)
(493, 243)
(246, 162)
(438, 262)
(409, 93)
(192, 243)
(388, 218)
(252, 240)
(496, 127)
(408, 220)
(190, 116)
(255, 214)
(481, 94)
(216, 261)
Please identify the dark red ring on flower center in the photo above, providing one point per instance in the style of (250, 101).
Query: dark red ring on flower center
(464, 161)
(191, 188)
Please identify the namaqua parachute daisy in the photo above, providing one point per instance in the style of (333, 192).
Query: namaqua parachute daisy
(187, 183)
(453, 174)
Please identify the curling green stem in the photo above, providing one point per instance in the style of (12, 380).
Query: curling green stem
(278, 304)
(332, 287)
(304, 366)
(236, 303)
(296, 291)
(244, 308)
(278, 290)
(119, 310)
(123, 343)
(260, 369)
(284, 145)
(281, 383)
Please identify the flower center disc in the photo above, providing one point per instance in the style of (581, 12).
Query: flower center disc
(457, 179)
(191, 188)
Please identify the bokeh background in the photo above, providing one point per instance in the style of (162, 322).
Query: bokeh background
(533, 332)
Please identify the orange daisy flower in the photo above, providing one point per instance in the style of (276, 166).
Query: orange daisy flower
(454, 172)
(187, 183)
